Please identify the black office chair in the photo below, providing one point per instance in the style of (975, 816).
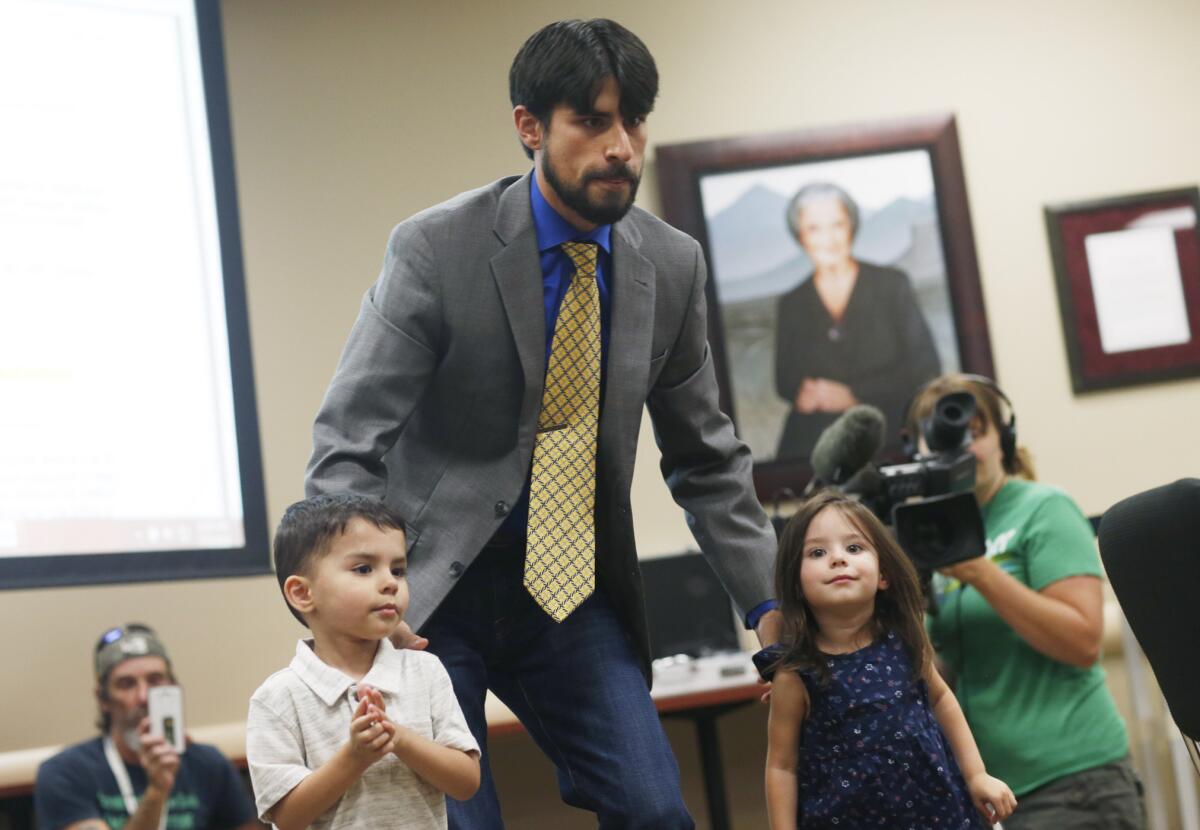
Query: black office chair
(1150, 544)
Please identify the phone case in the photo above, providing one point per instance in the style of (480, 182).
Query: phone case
(166, 715)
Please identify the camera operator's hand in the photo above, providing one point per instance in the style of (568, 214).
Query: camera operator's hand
(158, 758)
(1063, 621)
(969, 571)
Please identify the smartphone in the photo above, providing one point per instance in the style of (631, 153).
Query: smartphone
(166, 715)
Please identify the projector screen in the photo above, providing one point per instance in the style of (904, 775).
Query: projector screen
(128, 432)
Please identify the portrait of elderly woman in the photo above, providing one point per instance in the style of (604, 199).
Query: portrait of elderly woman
(841, 269)
(850, 333)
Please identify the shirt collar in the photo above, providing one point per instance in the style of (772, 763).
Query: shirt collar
(553, 230)
(330, 684)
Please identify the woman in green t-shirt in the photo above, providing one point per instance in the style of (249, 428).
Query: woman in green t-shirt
(1020, 628)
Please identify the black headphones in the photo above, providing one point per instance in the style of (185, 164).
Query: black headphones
(1007, 430)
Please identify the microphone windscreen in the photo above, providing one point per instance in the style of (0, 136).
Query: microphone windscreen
(1150, 544)
(848, 444)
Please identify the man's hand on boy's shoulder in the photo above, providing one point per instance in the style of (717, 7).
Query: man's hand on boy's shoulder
(405, 637)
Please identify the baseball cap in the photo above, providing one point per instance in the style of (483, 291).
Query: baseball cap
(125, 642)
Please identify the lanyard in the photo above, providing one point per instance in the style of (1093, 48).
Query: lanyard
(123, 783)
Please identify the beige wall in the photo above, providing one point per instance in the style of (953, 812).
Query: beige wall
(350, 116)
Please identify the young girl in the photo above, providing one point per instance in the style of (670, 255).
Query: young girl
(863, 731)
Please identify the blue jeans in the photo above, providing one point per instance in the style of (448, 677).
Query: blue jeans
(576, 686)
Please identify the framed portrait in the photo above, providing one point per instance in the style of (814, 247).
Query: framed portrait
(842, 270)
(1128, 275)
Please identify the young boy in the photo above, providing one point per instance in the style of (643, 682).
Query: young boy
(354, 733)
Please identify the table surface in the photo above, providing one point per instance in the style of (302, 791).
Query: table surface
(678, 686)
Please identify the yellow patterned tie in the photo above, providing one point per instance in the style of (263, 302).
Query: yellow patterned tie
(560, 553)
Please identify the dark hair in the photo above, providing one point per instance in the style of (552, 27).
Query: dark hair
(567, 62)
(103, 718)
(898, 609)
(308, 526)
(991, 412)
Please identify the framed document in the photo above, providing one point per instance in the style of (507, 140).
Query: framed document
(841, 270)
(1128, 275)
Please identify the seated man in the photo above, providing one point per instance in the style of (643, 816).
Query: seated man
(126, 778)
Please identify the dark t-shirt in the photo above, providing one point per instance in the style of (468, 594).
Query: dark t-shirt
(77, 784)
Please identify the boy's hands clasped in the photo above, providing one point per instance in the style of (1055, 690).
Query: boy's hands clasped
(372, 733)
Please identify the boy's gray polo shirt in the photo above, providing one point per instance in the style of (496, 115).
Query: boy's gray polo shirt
(300, 717)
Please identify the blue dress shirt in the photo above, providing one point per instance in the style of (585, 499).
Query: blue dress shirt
(557, 271)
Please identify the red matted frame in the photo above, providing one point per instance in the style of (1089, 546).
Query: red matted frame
(1068, 227)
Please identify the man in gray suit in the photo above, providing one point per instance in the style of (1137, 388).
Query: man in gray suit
(445, 400)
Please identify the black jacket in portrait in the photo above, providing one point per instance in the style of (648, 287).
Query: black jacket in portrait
(882, 349)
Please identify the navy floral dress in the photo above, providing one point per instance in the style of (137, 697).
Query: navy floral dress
(871, 752)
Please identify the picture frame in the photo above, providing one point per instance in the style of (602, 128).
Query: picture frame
(774, 308)
(1127, 273)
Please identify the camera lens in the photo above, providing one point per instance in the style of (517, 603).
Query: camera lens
(947, 427)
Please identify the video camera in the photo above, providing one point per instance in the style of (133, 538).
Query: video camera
(930, 501)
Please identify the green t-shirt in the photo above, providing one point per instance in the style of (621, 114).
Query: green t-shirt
(1035, 719)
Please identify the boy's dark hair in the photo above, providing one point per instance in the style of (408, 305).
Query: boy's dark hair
(567, 62)
(899, 609)
(308, 526)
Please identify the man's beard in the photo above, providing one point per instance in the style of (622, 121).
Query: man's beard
(127, 727)
(132, 739)
(598, 212)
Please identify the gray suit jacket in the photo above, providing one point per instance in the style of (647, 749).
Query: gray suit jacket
(434, 406)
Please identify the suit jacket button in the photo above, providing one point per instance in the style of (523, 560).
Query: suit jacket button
(456, 569)
(502, 508)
